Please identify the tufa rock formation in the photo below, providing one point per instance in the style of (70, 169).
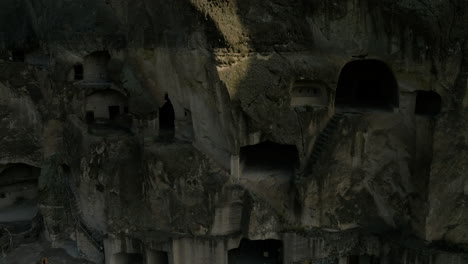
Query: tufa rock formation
(234, 131)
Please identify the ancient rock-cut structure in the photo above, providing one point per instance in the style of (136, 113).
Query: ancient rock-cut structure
(234, 132)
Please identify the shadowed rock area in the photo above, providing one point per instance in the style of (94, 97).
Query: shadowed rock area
(233, 132)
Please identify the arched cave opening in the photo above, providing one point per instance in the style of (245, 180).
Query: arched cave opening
(269, 157)
(78, 72)
(363, 259)
(428, 103)
(167, 118)
(18, 196)
(17, 55)
(268, 251)
(368, 84)
(127, 258)
(157, 257)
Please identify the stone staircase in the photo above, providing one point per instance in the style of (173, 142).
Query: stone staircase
(321, 143)
(323, 139)
(93, 236)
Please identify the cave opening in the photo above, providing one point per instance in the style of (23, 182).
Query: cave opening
(18, 199)
(90, 117)
(167, 119)
(268, 157)
(268, 251)
(17, 55)
(363, 259)
(114, 111)
(367, 84)
(157, 257)
(79, 72)
(127, 258)
(428, 103)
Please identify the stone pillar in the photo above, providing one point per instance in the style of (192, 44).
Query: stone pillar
(235, 167)
(111, 247)
(288, 251)
(194, 251)
(343, 260)
(407, 103)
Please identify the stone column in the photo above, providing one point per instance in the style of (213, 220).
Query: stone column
(235, 167)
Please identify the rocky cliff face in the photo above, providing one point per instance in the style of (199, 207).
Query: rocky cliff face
(210, 131)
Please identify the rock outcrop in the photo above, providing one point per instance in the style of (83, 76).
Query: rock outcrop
(214, 131)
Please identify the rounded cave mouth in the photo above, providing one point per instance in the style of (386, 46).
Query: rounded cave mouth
(268, 251)
(18, 196)
(269, 156)
(428, 103)
(15, 173)
(127, 258)
(166, 120)
(367, 85)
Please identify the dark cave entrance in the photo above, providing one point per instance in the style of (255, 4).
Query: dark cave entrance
(157, 257)
(367, 84)
(428, 103)
(166, 119)
(18, 197)
(17, 55)
(364, 259)
(79, 72)
(269, 157)
(114, 112)
(127, 258)
(90, 117)
(268, 251)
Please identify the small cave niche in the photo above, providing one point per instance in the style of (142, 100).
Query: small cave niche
(17, 55)
(363, 259)
(127, 258)
(107, 107)
(114, 111)
(309, 93)
(157, 257)
(95, 68)
(367, 84)
(268, 251)
(65, 168)
(428, 103)
(268, 158)
(19, 186)
(78, 72)
(166, 119)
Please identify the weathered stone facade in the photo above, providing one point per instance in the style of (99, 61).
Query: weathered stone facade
(293, 131)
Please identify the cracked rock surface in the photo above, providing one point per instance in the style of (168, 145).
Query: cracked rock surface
(234, 131)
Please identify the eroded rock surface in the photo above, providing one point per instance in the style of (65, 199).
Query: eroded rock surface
(232, 131)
